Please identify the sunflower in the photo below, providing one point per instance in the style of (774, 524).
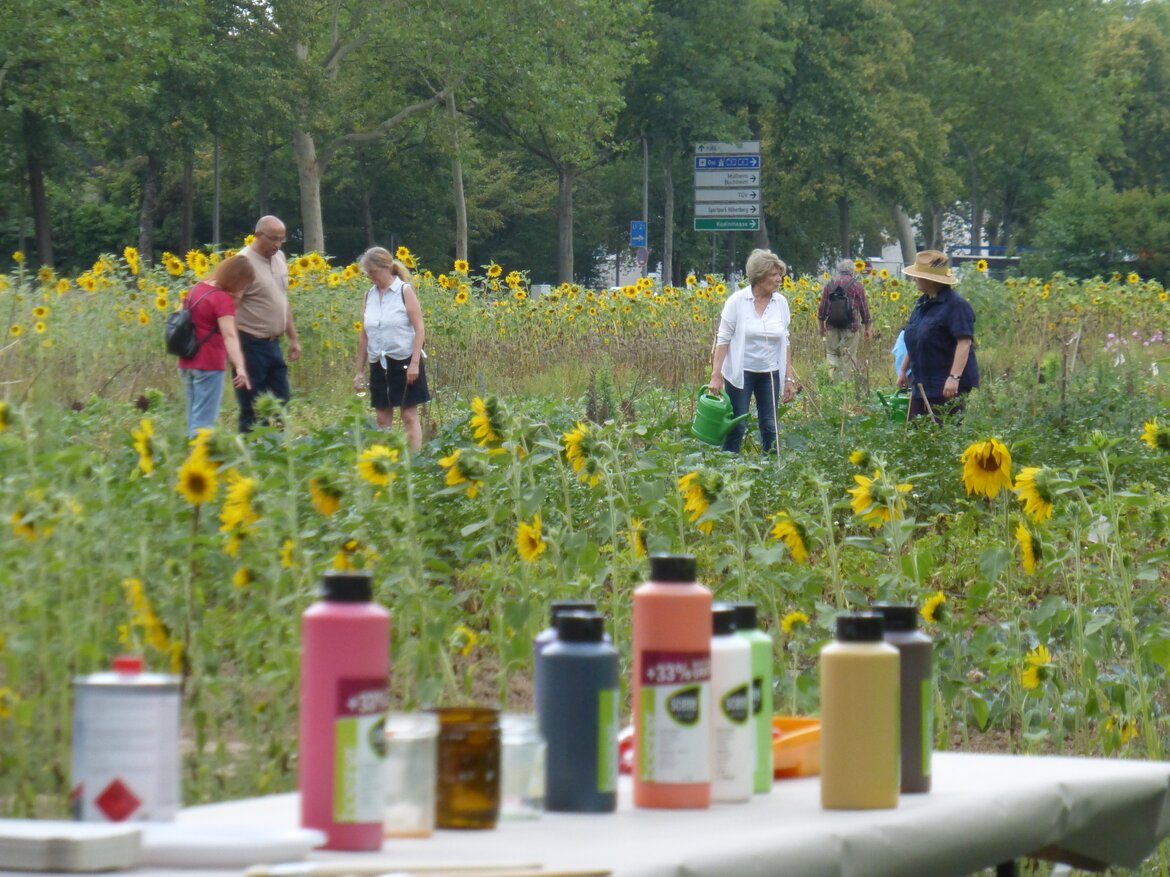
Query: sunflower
(793, 535)
(375, 464)
(144, 445)
(580, 446)
(460, 470)
(461, 266)
(638, 537)
(1157, 435)
(40, 312)
(895, 295)
(287, 554)
(243, 577)
(402, 253)
(987, 466)
(130, 254)
(1124, 727)
(529, 545)
(1037, 670)
(699, 490)
(934, 608)
(1030, 548)
(1036, 488)
(494, 270)
(461, 297)
(981, 266)
(463, 639)
(792, 621)
(860, 458)
(238, 512)
(486, 420)
(197, 479)
(324, 494)
(1133, 277)
(877, 500)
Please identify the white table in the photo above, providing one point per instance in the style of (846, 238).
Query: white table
(984, 810)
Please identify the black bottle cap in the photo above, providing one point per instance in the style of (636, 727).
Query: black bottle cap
(673, 568)
(746, 617)
(899, 617)
(347, 587)
(580, 627)
(559, 607)
(860, 627)
(723, 618)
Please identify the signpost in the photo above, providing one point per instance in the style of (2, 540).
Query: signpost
(727, 186)
(637, 233)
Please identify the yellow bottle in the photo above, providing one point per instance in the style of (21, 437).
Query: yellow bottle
(860, 754)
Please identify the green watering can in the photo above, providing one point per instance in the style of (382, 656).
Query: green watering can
(713, 419)
(897, 404)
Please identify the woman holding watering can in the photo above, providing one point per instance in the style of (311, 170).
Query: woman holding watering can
(752, 356)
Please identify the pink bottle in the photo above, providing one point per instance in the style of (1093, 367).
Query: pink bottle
(345, 681)
(672, 686)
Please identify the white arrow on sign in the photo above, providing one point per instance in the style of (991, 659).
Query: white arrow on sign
(719, 147)
(738, 195)
(732, 179)
(727, 209)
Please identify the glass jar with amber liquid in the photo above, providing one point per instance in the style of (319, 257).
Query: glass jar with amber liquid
(467, 791)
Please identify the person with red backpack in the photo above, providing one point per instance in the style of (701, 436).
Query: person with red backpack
(843, 315)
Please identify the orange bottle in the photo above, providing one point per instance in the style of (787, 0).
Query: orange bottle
(671, 697)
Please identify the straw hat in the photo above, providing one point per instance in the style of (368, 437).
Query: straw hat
(932, 265)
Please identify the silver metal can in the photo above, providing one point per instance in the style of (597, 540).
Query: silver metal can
(125, 745)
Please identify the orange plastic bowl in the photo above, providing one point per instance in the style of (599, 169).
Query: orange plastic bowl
(796, 747)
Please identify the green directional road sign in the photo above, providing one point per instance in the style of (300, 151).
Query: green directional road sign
(727, 223)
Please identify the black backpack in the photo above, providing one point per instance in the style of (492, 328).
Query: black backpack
(839, 313)
(180, 335)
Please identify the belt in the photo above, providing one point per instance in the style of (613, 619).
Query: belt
(260, 337)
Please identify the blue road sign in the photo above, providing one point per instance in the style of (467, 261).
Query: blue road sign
(637, 233)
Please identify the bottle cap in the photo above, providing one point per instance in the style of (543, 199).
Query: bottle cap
(580, 627)
(559, 607)
(346, 587)
(723, 619)
(899, 617)
(745, 616)
(128, 664)
(673, 568)
(860, 627)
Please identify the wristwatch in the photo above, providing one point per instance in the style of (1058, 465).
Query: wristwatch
(954, 377)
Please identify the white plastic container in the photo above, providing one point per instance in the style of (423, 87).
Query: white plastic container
(733, 744)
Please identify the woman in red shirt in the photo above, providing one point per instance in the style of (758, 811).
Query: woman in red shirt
(213, 311)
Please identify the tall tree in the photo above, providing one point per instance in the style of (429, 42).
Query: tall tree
(562, 104)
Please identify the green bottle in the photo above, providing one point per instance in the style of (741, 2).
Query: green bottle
(747, 626)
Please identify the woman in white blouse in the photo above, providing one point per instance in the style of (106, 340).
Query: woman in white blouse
(752, 356)
(390, 344)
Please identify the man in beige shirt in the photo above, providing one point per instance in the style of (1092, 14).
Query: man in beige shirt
(262, 316)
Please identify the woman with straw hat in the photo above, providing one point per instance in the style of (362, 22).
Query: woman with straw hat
(940, 340)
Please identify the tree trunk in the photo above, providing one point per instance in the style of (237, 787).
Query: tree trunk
(843, 226)
(147, 210)
(668, 217)
(457, 180)
(187, 233)
(905, 234)
(565, 176)
(935, 240)
(368, 216)
(309, 177)
(39, 202)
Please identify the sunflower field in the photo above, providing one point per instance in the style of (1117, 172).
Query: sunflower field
(1035, 534)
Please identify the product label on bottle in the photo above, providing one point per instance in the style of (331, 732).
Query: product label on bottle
(927, 725)
(734, 705)
(757, 694)
(359, 747)
(607, 742)
(673, 718)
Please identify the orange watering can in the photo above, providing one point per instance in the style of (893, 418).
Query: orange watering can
(713, 417)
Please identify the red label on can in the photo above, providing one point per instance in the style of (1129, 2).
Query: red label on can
(117, 802)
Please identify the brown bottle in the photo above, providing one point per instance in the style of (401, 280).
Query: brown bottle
(859, 716)
(915, 650)
(468, 779)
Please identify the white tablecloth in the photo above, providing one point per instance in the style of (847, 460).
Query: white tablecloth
(983, 810)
